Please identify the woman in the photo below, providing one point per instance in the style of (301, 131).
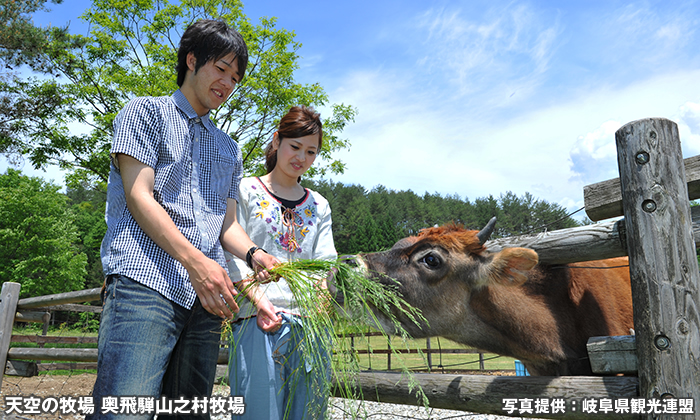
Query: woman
(268, 366)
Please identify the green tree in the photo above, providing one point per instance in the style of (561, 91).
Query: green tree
(364, 237)
(373, 221)
(19, 38)
(87, 204)
(526, 214)
(342, 200)
(131, 51)
(37, 237)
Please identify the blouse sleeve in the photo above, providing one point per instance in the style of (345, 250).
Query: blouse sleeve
(324, 247)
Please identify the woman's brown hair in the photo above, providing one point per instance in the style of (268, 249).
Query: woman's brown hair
(300, 121)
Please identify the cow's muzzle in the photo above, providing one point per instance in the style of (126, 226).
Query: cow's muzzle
(353, 261)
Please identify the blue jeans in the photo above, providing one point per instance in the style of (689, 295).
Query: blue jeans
(149, 346)
(281, 376)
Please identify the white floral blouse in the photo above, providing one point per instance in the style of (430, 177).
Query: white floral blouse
(302, 232)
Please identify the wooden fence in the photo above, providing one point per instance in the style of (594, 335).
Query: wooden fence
(658, 235)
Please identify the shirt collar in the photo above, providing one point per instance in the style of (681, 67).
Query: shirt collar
(184, 105)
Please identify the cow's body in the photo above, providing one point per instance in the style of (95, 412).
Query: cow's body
(504, 302)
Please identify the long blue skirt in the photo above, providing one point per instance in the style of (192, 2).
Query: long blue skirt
(285, 375)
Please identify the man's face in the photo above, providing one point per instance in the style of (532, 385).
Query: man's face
(212, 84)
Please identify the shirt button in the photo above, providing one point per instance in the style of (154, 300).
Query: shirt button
(194, 190)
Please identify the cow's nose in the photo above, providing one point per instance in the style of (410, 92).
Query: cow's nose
(350, 260)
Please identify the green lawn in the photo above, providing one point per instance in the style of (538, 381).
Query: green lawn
(419, 361)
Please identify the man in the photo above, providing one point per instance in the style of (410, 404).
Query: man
(171, 211)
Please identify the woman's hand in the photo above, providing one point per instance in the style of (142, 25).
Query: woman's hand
(267, 318)
(261, 261)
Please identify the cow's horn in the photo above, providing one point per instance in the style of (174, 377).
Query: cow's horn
(486, 232)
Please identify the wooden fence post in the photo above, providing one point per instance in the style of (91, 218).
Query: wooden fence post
(388, 353)
(430, 354)
(663, 264)
(9, 295)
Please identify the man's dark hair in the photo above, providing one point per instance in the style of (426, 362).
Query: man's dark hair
(210, 40)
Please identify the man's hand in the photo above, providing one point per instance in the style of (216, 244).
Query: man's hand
(211, 283)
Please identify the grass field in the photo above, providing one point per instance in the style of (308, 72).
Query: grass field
(371, 358)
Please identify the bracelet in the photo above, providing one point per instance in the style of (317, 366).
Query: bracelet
(249, 255)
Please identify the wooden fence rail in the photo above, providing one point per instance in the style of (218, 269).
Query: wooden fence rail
(485, 394)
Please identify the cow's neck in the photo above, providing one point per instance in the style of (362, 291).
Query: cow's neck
(515, 324)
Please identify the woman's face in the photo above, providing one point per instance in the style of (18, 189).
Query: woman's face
(296, 155)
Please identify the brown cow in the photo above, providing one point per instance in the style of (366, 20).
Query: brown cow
(504, 302)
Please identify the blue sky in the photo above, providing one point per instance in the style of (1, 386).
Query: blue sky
(477, 98)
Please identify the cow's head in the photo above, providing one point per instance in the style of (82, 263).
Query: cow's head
(438, 271)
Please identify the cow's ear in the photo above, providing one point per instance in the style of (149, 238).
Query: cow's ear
(510, 266)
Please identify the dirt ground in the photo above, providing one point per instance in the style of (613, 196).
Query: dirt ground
(52, 385)
(44, 386)
(49, 385)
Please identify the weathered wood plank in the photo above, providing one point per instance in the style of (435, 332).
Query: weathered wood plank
(584, 243)
(603, 200)
(44, 339)
(46, 367)
(663, 263)
(80, 296)
(9, 296)
(32, 316)
(613, 355)
(75, 308)
(485, 394)
(21, 368)
(221, 374)
(60, 355)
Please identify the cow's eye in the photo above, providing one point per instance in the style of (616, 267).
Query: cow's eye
(432, 261)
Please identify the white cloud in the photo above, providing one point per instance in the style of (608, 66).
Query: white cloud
(595, 152)
(640, 39)
(507, 46)
(689, 128)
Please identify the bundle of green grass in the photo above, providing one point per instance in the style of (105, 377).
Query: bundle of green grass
(325, 320)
